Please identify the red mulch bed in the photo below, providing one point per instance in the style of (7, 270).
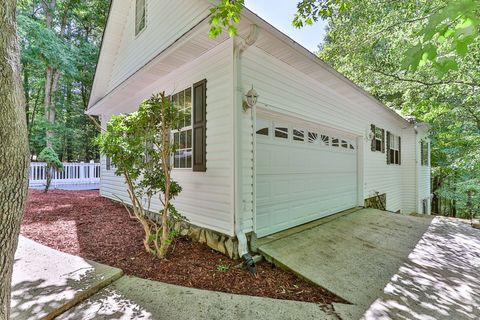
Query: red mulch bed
(83, 223)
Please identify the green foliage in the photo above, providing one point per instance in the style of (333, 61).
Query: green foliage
(73, 54)
(225, 16)
(444, 32)
(375, 44)
(49, 156)
(223, 268)
(139, 146)
(309, 11)
(40, 44)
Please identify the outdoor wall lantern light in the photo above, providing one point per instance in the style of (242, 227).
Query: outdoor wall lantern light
(251, 99)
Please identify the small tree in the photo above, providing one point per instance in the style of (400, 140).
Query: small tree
(49, 156)
(139, 146)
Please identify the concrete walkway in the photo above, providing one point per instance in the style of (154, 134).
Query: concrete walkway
(47, 283)
(381, 262)
(439, 280)
(389, 266)
(134, 298)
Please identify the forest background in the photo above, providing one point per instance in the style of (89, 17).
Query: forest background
(420, 58)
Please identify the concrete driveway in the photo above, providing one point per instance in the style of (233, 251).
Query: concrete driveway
(389, 266)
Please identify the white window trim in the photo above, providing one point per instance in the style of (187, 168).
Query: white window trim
(395, 139)
(135, 20)
(382, 142)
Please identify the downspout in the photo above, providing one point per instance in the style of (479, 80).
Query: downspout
(240, 45)
(417, 171)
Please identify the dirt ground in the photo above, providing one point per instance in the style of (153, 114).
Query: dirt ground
(83, 223)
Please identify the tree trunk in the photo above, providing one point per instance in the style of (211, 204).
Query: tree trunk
(14, 158)
(51, 82)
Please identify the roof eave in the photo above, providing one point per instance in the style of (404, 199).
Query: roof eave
(308, 54)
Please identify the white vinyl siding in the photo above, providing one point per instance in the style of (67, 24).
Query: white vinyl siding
(423, 182)
(167, 21)
(207, 197)
(409, 163)
(285, 90)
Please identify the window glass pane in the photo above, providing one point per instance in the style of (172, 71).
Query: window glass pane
(176, 162)
(181, 100)
(189, 139)
(183, 140)
(298, 135)
(281, 132)
(262, 127)
(176, 138)
(187, 103)
(313, 137)
(352, 147)
(140, 16)
(189, 158)
(325, 139)
(183, 159)
(188, 98)
(335, 142)
(344, 144)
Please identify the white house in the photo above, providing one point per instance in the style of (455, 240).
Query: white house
(313, 145)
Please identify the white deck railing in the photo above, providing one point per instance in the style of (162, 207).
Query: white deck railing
(73, 173)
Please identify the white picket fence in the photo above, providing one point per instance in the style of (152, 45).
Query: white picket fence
(73, 173)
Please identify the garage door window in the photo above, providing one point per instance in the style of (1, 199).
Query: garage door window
(313, 137)
(325, 139)
(298, 135)
(335, 142)
(263, 127)
(281, 131)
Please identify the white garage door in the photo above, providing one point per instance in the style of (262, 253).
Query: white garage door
(303, 173)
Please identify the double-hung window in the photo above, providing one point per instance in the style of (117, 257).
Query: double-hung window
(183, 136)
(393, 149)
(378, 139)
(140, 16)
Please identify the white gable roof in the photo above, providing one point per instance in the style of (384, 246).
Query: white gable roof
(271, 40)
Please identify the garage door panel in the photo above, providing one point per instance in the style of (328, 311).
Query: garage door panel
(299, 182)
(276, 187)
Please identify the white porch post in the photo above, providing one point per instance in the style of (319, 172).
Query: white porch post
(82, 171)
(91, 171)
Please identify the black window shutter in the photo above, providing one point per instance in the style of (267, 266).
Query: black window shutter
(383, 140)
(399, 150)
(373, 147)
(108, 163)
(199, 126)
(389, 158)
